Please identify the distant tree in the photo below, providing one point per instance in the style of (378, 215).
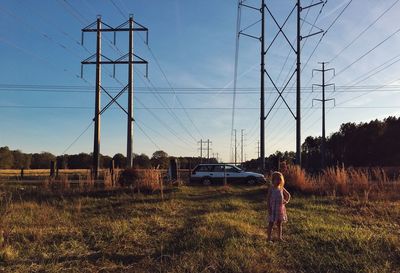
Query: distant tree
(105, 161)
(119, 160)
(142, 161)
(80, 161)
(311, 153)
(160, 160)
(62, 161)
(21, 160)
(42, 160)
(6, 158)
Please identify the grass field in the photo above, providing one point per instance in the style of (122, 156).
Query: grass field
(195, 229)
(13, 173)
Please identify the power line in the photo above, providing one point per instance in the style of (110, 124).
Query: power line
(148, 137)
(364, 30)
(176, 108)
(319, 42)
(235, 70)
(189, 90)
(171, 87)
(78, 137)
(81, 19)
(368, 52)
(144, 107)
(170, 112)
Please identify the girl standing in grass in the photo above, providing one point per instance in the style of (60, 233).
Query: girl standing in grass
(278, 197)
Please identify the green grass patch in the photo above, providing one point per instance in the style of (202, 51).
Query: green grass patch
(196, 229)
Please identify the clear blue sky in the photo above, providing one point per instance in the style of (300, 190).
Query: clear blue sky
(194, 42)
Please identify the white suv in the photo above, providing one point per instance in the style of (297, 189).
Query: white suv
(217, 173)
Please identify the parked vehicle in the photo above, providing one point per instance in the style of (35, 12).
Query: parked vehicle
(208, 174)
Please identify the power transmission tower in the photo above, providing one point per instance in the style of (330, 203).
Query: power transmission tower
(235, 146)
(204, 148)
(323, 100)
(201, 150)
(130, 58)
(208, 150)
(264, 71)
(241, 146)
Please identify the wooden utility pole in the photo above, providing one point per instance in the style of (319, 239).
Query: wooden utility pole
(323, 100)
(96, 144)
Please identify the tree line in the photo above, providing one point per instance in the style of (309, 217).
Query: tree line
(15, 159)
(367, 144)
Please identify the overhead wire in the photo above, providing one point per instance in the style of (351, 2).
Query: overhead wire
(364, 31)
(168, 83)
(235, 69)
(159, 98)
(314, 50)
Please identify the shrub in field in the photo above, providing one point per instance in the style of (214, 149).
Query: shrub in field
(359, 181)
(335, 180)
(145, 180)
(7, 253)
(380, 177)
(297, 179)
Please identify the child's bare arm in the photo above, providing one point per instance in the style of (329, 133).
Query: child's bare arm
(287, 196)
(269, 196)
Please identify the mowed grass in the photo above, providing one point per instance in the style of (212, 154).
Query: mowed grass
(196, 229)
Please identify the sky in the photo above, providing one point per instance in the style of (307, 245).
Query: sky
(188, 96)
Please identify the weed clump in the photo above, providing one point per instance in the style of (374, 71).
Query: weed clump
(339, 181)
(143, 180)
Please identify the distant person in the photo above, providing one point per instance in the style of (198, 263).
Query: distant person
(277, 198)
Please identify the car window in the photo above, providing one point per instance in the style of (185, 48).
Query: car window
(218, 169)
(203, 168)
(231, 169)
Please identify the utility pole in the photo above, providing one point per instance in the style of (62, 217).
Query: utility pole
(297, 50)
(262, 99)
(203, 147)
(235, 147)
(298, 75)
(129, 144)
(96, 144)
(323, 100)
(130, 58)
(298, 87)
(263, 52)
(208, 150)
(258, 149)
(241, 146)
(201, 150)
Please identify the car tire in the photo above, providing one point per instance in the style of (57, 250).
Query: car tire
(206, 181)
(251, 180)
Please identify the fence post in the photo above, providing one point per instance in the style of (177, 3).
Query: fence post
(22, 173)
(161, 186)
(112, 166)
(225, 182)
(52, 168)
(57, 171)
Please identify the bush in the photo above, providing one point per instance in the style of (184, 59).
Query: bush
(338, 181)
(145, 180)
(334, 180)
(296, 179)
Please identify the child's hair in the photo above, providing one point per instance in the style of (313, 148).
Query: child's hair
(278, 176)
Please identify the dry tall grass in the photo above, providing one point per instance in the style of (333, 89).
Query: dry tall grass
(339, 181)
(297, 179)
(144, 180)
